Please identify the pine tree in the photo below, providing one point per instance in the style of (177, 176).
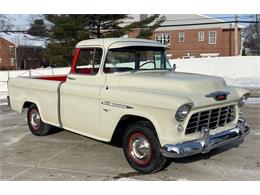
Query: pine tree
(38, 28)
(104, 25)
(67, 30)
(146, 26)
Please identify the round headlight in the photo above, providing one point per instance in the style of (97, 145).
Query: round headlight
(182, 112)
(243, 100)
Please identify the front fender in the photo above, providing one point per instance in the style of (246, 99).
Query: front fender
(157, 107)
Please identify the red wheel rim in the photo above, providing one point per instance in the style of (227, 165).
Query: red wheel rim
(139, 149)
(34, 119)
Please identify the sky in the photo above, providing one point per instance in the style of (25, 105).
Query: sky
(22, 21)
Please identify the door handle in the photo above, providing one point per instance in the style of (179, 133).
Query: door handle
(106, 110)
(71, 78)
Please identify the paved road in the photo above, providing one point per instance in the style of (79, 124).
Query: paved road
(68, 156)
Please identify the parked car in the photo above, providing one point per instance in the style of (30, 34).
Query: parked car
(126, 90)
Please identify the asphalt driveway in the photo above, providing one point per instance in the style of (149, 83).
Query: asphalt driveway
(68, 156)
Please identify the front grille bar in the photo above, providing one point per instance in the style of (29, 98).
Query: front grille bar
(211, 118)
(219, 113)
(198, 121)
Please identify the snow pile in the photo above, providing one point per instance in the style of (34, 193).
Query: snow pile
(236, 70)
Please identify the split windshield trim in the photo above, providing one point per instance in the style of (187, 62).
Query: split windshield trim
(131, 59)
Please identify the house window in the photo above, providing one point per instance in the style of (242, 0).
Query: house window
(29, 62)
(212, 37)
(11, 50)
(12, 61)
(163, 38)
(35, 61)
(0, 60)
(201, 36)
(181, 36)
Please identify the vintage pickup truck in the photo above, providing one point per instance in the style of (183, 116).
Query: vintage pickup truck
(126, 90)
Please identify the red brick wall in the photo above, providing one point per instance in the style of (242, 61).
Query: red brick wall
(26, 57)
(225, 45)
(5, 54)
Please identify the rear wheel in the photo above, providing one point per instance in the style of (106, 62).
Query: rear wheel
(36, 125)
(142, 148)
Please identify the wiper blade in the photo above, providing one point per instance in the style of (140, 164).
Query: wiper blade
(136, 70)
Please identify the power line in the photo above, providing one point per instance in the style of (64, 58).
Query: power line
(176, 20)
(163, 25)
(192, 19)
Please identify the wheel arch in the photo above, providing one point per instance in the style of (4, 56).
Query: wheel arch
(26, 104)
(124, 122)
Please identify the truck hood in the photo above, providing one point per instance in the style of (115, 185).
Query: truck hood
(173, 81)
(193, 86)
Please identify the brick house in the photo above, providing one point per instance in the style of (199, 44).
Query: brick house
(193, 41)
(20, 51)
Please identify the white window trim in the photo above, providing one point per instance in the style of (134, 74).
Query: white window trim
(215, 38)
(162, 40)
(156, 36)
(203, 36)
(183, 33)
(12, 60)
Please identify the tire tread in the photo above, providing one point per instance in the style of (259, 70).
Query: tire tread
(160, 159)
(45, 128)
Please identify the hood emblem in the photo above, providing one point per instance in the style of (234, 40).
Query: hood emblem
(219, 95)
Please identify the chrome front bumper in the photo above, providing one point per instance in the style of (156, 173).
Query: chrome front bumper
(207, 142)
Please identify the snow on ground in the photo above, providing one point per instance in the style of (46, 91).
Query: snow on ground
(3, 95)
(253, 101)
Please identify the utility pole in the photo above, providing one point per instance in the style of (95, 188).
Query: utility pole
(257, 34)
(236, 37)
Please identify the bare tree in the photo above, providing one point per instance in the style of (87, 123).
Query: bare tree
(5, 22)
(252, 36)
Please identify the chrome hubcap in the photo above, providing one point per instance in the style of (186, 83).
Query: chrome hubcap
(35, 119)
(140, 148)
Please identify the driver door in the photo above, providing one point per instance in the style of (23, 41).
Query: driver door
(80, 94)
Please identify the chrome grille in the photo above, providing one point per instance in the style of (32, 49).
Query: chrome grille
(211, 119)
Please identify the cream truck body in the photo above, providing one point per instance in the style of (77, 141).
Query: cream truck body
(93, 105)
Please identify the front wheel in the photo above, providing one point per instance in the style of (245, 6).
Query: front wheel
(142, 148)
(35, 123)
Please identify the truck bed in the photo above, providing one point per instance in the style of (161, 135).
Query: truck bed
(41, 90)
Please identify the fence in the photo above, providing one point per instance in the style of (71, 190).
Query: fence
(5, 75)
(237, 70)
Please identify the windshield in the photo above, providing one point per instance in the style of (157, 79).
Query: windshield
(136, 58)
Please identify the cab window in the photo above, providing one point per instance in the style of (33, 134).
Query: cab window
(136, 59)
(89, 61)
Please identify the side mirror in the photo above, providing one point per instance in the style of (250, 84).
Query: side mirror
(174, 67)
